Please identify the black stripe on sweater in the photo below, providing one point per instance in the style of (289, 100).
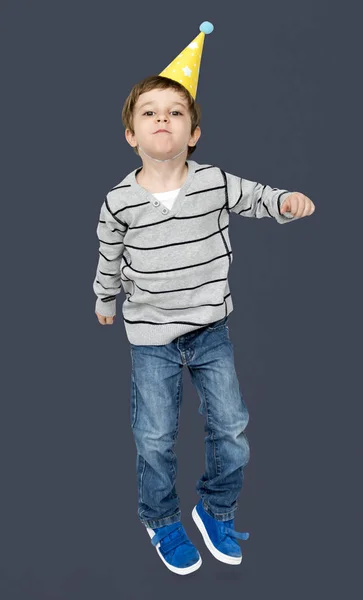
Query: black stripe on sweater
(230, 254)
(194, 287)
(176, 218)
(168, 323)
(175, 243)
(187, 307)
(219, 187)
(177, 268)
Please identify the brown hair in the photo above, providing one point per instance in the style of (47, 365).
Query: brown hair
(159, 82)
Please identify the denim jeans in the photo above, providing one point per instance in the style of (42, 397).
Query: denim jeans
(156, 394)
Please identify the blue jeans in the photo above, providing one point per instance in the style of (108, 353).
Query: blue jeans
(156, 393)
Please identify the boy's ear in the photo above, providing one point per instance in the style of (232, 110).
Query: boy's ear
(195, 136)
(130, 138)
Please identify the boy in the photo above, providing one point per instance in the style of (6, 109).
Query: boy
(163, 235)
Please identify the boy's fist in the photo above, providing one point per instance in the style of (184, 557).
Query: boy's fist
(105, 320)
(298, 205)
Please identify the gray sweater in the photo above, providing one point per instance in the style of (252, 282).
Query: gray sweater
(173, 263)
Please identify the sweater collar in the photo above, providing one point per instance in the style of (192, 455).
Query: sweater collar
(131, 178)
(148, 196)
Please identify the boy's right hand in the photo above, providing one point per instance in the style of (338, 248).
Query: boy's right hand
(105, 320)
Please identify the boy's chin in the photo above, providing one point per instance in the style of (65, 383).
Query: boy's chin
(161, 153)
(162, 150)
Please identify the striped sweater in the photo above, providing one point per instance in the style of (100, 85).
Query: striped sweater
(173, 263)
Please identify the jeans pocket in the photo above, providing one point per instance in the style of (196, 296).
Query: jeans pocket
(218, 324)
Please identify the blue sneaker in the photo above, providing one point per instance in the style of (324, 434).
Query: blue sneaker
(175, 549)
(219, 536)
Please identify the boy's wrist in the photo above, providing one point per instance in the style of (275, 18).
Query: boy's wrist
(106, 309)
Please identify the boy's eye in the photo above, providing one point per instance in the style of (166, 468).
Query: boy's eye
(151, 111)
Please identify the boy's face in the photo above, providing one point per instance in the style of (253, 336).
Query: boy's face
(162, 109)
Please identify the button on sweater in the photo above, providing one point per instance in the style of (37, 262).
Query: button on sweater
(172, 260)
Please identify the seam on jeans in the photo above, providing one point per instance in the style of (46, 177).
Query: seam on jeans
(210, 421)
(134, 407)
(175, 434)
(134, 401)
(142, 483)
(179, 386)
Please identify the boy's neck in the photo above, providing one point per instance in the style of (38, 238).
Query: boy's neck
(162, 177)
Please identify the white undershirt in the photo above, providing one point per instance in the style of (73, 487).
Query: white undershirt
(167, 198)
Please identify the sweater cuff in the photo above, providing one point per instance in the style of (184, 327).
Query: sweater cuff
(106, 309)
(286, 216)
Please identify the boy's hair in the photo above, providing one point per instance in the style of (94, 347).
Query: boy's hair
(159, 82)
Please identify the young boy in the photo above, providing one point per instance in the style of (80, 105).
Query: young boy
(163, 234)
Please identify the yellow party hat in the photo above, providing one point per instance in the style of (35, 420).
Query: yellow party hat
(185, 67)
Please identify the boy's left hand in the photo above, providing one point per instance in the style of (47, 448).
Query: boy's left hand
(298, 205)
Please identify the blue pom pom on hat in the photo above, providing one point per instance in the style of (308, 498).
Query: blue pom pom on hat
(206, 27)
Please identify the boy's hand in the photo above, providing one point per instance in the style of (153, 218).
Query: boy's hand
(105, 320)
(298, 205)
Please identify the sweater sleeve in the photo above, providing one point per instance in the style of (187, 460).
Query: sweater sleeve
(107, 283)
(252, 199)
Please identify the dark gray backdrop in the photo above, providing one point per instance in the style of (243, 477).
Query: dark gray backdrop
(280, 90)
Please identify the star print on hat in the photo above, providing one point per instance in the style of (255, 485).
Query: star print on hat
(185, 67)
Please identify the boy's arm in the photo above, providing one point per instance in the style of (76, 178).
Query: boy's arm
(252, 199)
(107, 283)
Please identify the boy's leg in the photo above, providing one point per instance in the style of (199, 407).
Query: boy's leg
(156, 394)
(227, 449)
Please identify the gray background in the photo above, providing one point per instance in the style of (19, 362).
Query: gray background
(281, 95)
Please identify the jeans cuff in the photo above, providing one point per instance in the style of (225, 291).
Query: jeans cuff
(154, 523)
(219, 516)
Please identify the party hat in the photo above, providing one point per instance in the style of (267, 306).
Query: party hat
(185, 67)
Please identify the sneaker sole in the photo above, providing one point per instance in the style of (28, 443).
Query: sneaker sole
(178, 570)
(230, 560)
